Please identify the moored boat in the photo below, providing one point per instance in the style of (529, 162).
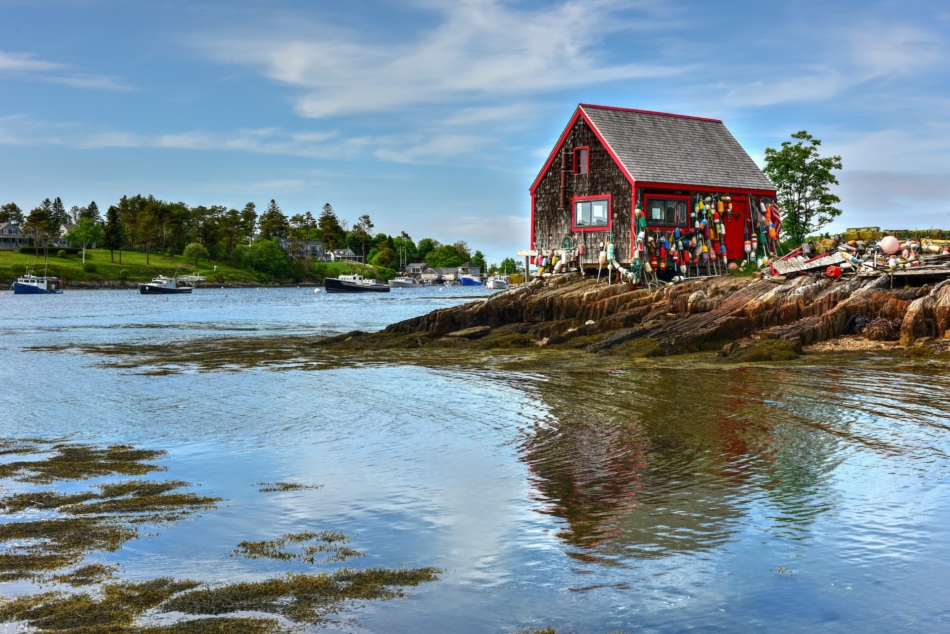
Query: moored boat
(405, 282)
(497, 283)
(469, 280)
(163, 285)
(353, 284)
(29, 284)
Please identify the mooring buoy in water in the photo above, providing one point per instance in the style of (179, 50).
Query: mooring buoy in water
(316, 290)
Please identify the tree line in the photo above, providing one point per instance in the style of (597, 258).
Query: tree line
(241, 237)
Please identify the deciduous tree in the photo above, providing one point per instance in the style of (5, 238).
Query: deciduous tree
(363, 231)
(86, 232)
(195, 250)
(803, 181)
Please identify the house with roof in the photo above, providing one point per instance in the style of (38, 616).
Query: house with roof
(303, 248)
(609, 162)
(416, 269)
(12, 237)
(470, 269)
(344, 255)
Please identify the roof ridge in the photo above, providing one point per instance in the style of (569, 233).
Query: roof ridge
(653, 112)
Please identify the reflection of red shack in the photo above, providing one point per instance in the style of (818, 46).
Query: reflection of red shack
(697, 190)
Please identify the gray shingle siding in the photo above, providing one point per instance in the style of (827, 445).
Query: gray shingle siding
(658, 148)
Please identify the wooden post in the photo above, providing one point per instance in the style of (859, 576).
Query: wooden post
(527, 274)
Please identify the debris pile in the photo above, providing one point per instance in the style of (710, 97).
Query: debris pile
(915, 256)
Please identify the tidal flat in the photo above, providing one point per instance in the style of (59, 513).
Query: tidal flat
(528, 487)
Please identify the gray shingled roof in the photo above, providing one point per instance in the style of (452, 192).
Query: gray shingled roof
(660, 148)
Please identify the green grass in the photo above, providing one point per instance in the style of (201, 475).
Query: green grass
(134, 268)
(70, 268)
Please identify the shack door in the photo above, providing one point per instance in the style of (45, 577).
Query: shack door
(736, 224)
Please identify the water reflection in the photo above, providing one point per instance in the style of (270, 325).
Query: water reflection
(635, 473)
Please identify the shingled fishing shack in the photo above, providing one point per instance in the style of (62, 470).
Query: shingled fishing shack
(649, 192)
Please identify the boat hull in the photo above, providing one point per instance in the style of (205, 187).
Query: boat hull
(29, 289)
(469, 281)
(333, 285)
(148, 289)
(497, 285)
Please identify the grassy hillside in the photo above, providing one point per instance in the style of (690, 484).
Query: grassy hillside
(100, 267)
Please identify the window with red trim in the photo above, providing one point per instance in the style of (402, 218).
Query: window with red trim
(591, 213)
(581, 160)
(667, 211)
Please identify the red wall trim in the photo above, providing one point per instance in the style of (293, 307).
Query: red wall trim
(610, 212)
(531, 245)
(575, 161)
(703, 188)
(662, 114)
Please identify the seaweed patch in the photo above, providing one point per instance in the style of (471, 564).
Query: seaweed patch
(278, 487)
(95, 520)
(52, 549)
(334, 544)
(302, 598)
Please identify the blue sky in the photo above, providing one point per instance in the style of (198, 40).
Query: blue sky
(434, 116)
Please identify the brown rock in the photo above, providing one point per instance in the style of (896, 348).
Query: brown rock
(470, 333)
(919, 321)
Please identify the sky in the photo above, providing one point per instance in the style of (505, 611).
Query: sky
(435, 116)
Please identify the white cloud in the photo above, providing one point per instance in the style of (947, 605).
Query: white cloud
(921, 151)
(431, 150)
(25, 62)
(480, 48)
(25, 65)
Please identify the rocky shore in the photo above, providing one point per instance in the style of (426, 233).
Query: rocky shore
(739, 318)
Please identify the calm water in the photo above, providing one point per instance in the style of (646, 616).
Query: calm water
(663, 500)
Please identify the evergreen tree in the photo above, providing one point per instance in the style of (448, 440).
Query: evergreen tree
(248, 221)
(331, 231)
(273, 222)
(11, 212)
(58, 213)
(92, 211)
(115, 235)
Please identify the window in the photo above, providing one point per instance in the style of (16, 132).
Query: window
(668, 211)
(591, 213)
(581, 160)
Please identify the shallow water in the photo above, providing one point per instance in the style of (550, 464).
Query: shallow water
(658, 500)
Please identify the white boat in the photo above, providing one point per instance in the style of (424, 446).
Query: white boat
(405, 282)
(497, 283)
(163, 285)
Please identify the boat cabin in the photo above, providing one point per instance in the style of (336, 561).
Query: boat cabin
(679, 170)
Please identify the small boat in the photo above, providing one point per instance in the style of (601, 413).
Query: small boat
(353, 284)
(405, 282)
(497, 283)
(469, 280)
(163, 285)
(29, 284)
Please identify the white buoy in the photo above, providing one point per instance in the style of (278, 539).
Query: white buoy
(316, 290)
